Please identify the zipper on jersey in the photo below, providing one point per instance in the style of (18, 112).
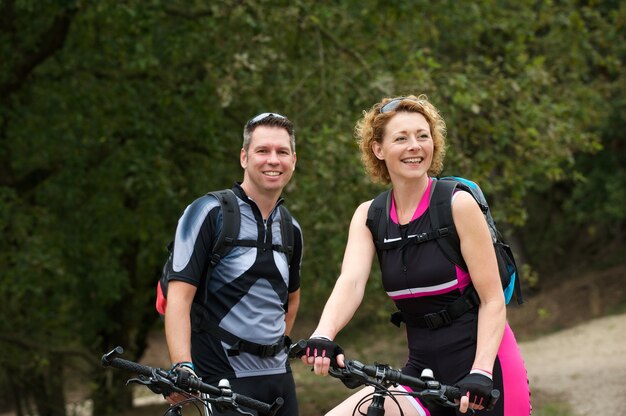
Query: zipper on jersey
(267, 234)
(404, 233)
(267, 225)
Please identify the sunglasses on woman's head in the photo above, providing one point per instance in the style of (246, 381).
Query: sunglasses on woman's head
(393, 104)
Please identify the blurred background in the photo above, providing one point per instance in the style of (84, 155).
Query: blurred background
(115, 115)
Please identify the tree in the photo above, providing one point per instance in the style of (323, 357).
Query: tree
(114, 116)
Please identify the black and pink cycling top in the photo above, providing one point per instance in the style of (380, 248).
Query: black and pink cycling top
(419, 271)
(420, 279)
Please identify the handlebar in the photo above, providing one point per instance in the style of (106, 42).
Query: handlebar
(356, 374)
(164, 382)
(382, 376)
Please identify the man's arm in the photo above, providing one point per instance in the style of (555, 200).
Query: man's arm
(290, 316)
(178, 320)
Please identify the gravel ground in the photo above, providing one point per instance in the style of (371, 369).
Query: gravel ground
(585, 365)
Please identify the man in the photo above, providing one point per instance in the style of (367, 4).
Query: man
(234, 323)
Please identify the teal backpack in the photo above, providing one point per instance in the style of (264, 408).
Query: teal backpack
(444, 232)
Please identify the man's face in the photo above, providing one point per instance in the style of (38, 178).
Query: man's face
(269, 161)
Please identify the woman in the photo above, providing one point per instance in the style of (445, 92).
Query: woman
(402, 142)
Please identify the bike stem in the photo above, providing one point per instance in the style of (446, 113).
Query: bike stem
(377, 407)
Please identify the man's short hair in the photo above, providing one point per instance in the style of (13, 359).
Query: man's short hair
(270, 120)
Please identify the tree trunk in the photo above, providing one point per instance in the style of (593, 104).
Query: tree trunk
(112, 396)
(48, 392)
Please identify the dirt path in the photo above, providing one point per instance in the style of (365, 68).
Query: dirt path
(585, 365)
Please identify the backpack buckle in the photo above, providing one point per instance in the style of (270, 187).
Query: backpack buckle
(265, 351)
(234, 350)
(396, 318)
(437, 320)
(215, 258)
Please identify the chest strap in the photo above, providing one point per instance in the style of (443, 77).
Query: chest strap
(468, 301)
(200, 322)
(414, 239)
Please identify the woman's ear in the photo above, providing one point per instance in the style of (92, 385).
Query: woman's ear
(377, 149)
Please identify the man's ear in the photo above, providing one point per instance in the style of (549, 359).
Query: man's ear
(243, 158)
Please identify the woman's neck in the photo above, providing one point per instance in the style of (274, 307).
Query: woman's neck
(407, 196)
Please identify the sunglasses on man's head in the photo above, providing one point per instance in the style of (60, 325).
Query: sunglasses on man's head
(263, 116)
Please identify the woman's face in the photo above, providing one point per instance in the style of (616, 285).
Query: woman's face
(407, 146)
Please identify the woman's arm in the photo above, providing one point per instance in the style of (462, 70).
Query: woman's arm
(480, 257)
(350, 286)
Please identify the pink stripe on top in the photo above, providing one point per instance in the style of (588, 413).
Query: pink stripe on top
(421, 207)
(463, 277)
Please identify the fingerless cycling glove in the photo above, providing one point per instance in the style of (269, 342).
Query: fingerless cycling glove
(479, 387)
(323, 347)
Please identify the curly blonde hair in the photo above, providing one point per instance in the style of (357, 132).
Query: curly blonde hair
(371, 127)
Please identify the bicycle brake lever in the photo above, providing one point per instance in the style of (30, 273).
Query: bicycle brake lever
(156, 386)
(437, 397)
(145, 381)
(350, 376)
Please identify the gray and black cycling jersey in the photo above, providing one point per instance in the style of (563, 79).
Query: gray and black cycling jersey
(247, 291)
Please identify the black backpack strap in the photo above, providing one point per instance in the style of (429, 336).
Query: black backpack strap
(377, 216)
(440, 210)
(231, 221)
(287, 232)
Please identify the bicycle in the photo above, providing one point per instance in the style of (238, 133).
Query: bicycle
(382, 377)
(164, 382)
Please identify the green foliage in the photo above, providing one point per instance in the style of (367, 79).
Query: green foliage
(116, 115)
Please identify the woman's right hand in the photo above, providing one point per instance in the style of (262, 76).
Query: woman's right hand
(322, 353)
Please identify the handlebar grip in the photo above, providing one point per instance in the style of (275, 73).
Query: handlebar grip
(494, 397)
(131, 366)
(452, 393)
(110, 360)
(297, 349)
(262, 407)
